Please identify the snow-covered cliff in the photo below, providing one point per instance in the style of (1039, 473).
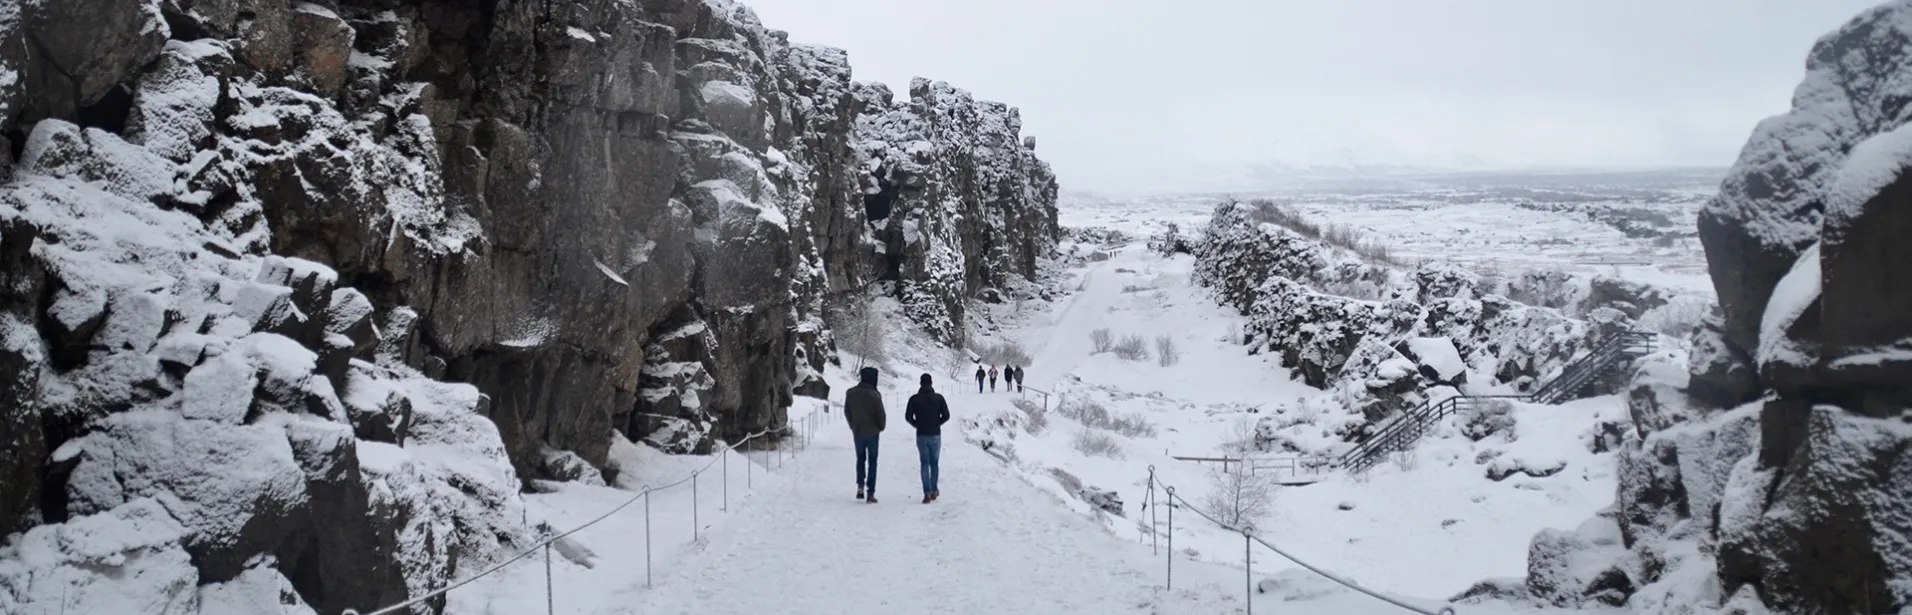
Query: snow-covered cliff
(276, 275)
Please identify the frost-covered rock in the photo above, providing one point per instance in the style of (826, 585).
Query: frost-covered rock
(1584, 567)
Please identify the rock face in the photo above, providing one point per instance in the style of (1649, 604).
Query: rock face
(1339, 322)
(1794, 500)
(247, 247)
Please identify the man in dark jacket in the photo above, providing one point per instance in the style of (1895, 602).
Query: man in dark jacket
(980, 375)
(863, 408)
(927, 412)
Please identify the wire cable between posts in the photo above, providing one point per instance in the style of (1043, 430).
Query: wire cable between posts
(1174, 500)
(546, 543)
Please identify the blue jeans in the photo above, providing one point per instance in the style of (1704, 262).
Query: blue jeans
(930, 450)
(866, 454)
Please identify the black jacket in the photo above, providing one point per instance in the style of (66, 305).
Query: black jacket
(927, 412)
(863, 406)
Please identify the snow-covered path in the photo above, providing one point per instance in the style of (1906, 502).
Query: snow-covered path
(991, 544)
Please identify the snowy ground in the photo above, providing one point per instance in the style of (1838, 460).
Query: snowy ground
(1429, 531)
(1491, 228)
(1009, 535)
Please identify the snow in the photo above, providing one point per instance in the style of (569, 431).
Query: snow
(727, 94)
(580, 34)
(609, 273)
(1795, 293)
(1438, 353)
(1871, 166)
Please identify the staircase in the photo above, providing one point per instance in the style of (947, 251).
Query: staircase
(1572, 383)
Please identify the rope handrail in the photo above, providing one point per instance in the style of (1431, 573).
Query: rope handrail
(1249, 534)
(547, 542)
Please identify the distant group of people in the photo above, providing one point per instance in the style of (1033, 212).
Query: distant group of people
(1011, 375)
(927, 412)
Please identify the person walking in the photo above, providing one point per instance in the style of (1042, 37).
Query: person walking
(992, 378)
(927, 412)
(1019, 374)
(863, 408)
(980, 375)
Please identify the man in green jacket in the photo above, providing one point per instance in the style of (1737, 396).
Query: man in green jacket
(863, 408)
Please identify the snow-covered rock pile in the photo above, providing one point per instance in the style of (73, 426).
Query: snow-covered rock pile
(1287, 285)
(245, 247)
(1768, 472)
(958, 199)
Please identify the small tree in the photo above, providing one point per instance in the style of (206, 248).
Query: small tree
(1239, 498)
(1166, 353)
(1103, 339)
(860, 331)
(1132, 348)
(1240, 439)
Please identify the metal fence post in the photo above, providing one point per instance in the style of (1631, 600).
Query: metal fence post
(748, 470)
(693, 507)
(647, 538)
(1248, 568)
(1155, 546)
(1171, 538)
(726, 454)
(550, 601)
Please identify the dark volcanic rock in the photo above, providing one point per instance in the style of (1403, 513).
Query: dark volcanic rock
(241, 235)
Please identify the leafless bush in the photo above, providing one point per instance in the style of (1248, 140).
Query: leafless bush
(1097, 443)
(1238, 498)
(1132, 348)
(1677, 318)
(1132, 425)
(1166, 353)
(1085, 411)
(1103, 339)
(1234, 334)
(1240, 439)
(1268, 211)
(1005, 353)
(1038, 418)
(1404, 459)
(859, 330)
(1485, 418)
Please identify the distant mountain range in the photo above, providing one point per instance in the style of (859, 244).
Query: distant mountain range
(1359, 178)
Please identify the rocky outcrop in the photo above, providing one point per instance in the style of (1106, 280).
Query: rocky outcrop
(247, 247)
(1794, 499)
(1339, 322)
(958, 200)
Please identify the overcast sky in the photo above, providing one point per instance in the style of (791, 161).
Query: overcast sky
(1155, 95)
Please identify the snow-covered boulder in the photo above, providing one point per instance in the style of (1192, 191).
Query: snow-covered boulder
(1584, 567)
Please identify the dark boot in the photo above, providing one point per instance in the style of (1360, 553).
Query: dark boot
(871, 499)
(927, 498)
(859, 493)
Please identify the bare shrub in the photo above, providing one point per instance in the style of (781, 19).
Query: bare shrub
(1097, 443)
(859, 330)
(1132, 348)
(1282, 214)
(1004, 353)
(1166, 353)
(1678, 318)
(1488, 417)
(1404, 459)
(1102, 339)
(1086, 411)
(1038, 418)
(1240, 439)
(1238, 498)
(1132, 425)
(1234, 334)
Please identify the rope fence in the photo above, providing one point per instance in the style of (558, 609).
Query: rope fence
(1152, 504)
(803, 428)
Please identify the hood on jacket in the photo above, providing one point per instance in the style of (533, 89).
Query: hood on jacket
(869, 376)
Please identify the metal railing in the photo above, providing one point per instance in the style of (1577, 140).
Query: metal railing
(803, 428)
(1153, 504)
(1406, 429)
(1278, 466)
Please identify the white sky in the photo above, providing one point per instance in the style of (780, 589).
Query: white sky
(1132, 95)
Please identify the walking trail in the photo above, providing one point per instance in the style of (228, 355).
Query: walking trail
(990, 544)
